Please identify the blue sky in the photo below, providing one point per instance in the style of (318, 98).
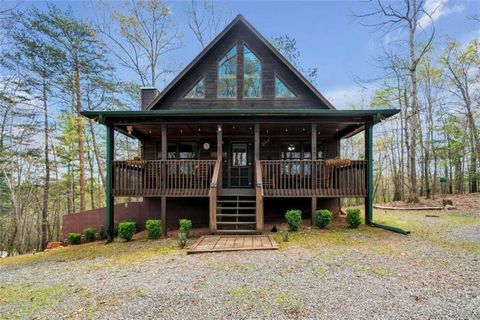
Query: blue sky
(327, 34)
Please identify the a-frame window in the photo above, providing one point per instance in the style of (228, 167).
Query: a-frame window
(281, 89)
(227, 75)
(198, 90)
(252, 74)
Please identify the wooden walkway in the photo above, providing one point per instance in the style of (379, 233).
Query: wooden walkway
(232, 243)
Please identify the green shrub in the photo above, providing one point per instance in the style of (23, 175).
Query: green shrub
(126, 230)
(74, 238)
(185, 226)
(89, 234)
(102, 233)
(353, 217)
(182, 239)
(115, 229)
(294, 219)
(154, 229)
(324, 217)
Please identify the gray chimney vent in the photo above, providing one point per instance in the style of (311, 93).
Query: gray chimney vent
(147, 95)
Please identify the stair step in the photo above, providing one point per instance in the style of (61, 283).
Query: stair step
(236, 208)
(238, 231)
(235, 222)
(235, 215)
(235, 201)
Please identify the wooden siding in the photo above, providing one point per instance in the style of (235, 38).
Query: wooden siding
(271, 66)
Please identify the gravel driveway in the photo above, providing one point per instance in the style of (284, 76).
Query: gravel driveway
(338, 273)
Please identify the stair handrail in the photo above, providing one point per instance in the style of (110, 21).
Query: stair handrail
(258, 176)
(212, 194)
(216, 172)
(258, 196)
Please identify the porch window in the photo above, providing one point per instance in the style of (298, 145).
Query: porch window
(252, 70)
(292, 151)
(281, 90)
(227, 75)
(198, 90)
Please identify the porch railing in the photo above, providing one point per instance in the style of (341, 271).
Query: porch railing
(162, 177)
(313, 177)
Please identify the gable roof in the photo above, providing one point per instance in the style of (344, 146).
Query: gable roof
(238, 19)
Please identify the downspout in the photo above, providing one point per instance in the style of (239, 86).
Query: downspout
(369, 197)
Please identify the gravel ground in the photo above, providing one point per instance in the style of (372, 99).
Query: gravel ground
(360, 274)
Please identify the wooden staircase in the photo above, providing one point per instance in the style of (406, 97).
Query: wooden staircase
(236, 215)
(235, 211)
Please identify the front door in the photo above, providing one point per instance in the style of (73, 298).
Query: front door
(238, 165)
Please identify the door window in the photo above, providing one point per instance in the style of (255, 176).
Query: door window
(239, 155)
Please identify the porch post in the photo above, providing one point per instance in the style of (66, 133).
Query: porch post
(369, 158)
(314, 173)
(110, 204)
(163, 202)
(220, 154)
(258, 180)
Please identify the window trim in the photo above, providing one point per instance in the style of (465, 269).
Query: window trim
(243, 72)
(295, 96)
(193, 86)
(236, 73)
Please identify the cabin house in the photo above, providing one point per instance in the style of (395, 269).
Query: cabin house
(236, 139)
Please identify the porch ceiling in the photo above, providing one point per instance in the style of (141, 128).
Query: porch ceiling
(331, 123)
(281, 130)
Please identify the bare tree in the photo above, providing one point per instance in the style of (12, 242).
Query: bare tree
(140, 37)
(412, 17)
(205, 20)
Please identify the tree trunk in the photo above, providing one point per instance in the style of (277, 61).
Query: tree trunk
(46, 187)
(97, 154)
(81, 149)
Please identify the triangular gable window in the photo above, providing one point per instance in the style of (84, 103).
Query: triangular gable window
(281, 90)
(198, 90)
(227, 75)
(252, 74)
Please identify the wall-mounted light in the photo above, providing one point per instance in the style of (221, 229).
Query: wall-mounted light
(129, 129)
(291, 147)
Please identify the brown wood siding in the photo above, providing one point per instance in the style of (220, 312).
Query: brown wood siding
(270, 66)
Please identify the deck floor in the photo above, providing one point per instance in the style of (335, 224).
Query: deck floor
(233, 243)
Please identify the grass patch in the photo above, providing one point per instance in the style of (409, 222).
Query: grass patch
(311, 238)
(120, 252)
(25, 301)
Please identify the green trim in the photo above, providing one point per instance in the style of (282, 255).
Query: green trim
(369, 158)
(109, 184)
(377, 114)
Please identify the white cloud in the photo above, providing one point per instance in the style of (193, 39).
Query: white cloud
(350, 96)
(435, 9)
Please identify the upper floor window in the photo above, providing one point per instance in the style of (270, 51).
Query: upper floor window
(198, 90)
(227, 75)
(252, 70)
(281, 90)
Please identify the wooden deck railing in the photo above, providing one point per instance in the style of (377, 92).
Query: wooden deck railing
(308, 178)
(162, 177)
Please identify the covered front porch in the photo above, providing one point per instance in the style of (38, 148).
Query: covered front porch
(255, 154)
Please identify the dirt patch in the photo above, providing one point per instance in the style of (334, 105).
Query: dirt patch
(462, 202)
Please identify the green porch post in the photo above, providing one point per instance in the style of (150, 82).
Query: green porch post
(108, 190)
(369, 158)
